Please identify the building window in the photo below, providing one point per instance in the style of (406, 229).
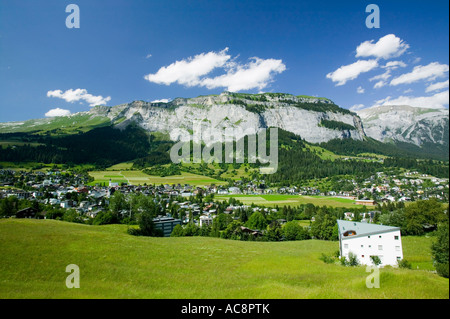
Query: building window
(368, 236)
(362, 256)
(380, 247)
(345, 246)
(397, 248)
(396, 237)
(362, 246)
(379, 236)
(399, 258)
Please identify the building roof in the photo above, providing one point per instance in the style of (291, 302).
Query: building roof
(361, 229)
(160, 220)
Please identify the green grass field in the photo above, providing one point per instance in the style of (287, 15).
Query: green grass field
(120, 166)
(135, 177)
(113, 264)
(291, 200)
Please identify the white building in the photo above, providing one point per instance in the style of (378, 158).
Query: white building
(365, 240)
(113, 184)
(206, 220)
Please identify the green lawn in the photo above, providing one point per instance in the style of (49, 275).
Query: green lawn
(291, 200)
(120, 166)
(136, 177)
(35, 253)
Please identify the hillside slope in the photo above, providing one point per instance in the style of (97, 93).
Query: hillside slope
(113, 264)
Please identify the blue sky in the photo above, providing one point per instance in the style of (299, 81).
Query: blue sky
(154, 50)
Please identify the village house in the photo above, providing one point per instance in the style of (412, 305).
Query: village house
(206, 220)
(28, 212)
(365, 240)
(234, 190)
(348, 215)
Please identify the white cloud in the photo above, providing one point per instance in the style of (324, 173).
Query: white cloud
(389, 46)
(379, 84)
(161, 101)
(360, 90)
(384, 76)
(188, 71)
(439, 100)
(417, 60)
(392, 65)
(256, 74)
(79, 95)
(148, 56)
(351, 71)
(357, 107)
(57, 112)
(428, 72)
(437, 86)
(407, 91)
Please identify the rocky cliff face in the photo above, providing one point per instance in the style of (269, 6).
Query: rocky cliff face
(406, 124)
(241, 113)
(313, 119)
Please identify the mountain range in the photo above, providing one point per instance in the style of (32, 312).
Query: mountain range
(315, 120)
(424, 127)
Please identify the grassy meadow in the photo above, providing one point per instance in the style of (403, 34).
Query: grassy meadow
(113, 264)
(135, 177)
(291, 200)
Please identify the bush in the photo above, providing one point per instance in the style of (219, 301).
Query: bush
(376, 260)
(257, 221)
(274, 232)
(442, 269)
(352, 260)
(326, 259)
(134, 231)
(191, 230)
(343, 261)
(403, 263)
(146, 227)
(72, 216)
(104, 218)
(440, 250)
(292, 230)
(337, 253)
(177, 231)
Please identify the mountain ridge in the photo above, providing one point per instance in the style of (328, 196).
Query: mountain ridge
(316, 120)
(300, 115)
(404, 123)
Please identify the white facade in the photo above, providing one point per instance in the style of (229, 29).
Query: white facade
(365, 240)
(205, 220)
